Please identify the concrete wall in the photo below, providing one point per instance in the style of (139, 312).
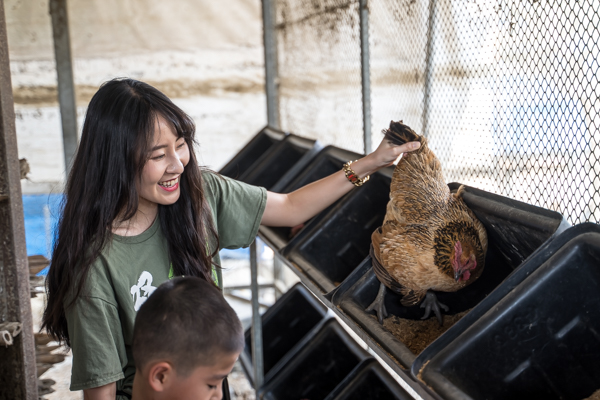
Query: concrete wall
(206, 55)
(101, 28)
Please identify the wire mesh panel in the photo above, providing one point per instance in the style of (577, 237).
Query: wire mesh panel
(319, 70)
(507, 92)
(398, 40)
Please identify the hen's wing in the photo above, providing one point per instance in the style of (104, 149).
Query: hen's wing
(377, 260)
(405, 260)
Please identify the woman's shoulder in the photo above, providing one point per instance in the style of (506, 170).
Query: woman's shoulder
(222, 185)
(211, 179)
(217, 187)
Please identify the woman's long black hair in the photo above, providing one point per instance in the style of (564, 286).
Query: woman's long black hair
(117, 134)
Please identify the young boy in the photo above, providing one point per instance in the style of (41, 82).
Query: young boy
(185, 342)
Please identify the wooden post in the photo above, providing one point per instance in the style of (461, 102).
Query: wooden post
(18, 379)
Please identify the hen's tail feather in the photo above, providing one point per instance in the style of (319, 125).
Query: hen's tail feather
(398, 134)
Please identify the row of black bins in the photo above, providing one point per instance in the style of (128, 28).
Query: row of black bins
(533, 329)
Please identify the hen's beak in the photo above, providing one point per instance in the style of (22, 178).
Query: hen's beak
(457, 275)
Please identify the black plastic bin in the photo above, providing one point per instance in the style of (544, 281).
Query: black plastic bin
(316, 370)
(515, 230)
(328, 161)
(281, 162)
(371, 381)
(286, 324)
(242, 162)
(541, 339)
(339, 242)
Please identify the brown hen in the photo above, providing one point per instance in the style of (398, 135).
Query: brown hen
(430, 239)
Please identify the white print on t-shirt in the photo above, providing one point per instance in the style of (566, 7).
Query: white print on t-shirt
(142, 290)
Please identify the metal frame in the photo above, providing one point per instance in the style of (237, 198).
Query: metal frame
(365, 74)
(271, 75)
(428, 66)
(18, 378)
(272, 92)
(257, 348)
(66, 87)
(271, 88)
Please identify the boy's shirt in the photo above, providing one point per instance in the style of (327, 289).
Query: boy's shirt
(129, 270)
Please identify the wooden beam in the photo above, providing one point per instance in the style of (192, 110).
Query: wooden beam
(18, 379)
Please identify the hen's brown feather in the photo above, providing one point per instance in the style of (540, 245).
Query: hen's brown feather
(413, 248)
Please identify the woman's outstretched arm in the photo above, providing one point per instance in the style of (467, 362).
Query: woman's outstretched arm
(299, 206)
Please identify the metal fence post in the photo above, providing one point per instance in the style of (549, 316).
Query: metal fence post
(272, 93)
(18, 378)
(365, 74)
(257, 343)
(428, 66)
(277, 271)
(271, 78)
(64, 70)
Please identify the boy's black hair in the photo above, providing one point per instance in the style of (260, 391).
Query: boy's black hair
(187, 322)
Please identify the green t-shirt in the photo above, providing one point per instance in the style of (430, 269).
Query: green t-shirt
(129, 269)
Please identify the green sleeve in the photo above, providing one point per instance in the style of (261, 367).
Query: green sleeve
(237, 209)
(96, 336)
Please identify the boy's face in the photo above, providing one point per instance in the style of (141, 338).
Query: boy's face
(205, 382)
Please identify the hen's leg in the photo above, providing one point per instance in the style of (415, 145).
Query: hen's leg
(378, 305)
(431, 303)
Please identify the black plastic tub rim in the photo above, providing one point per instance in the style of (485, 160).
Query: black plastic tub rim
(486, 309)
(559, 238)
(329, 277)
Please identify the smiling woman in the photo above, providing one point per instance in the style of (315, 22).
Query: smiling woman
(122, 232)
(159, 183)
(139, 210)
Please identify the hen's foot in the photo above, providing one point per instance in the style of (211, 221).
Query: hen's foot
(378, 305)
(431, 303)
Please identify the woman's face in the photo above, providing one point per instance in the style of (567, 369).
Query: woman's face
(161, 174)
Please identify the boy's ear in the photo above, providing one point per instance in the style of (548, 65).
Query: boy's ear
(161, 376)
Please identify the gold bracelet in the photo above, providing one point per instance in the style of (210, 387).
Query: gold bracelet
(353, 177)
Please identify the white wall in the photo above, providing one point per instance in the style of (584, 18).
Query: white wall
(206, 55)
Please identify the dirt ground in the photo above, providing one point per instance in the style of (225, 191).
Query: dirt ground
(594, 396)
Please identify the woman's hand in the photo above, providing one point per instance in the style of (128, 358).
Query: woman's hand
(385, 155)
(299, 206)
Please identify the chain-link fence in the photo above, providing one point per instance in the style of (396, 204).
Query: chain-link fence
(506, 92)
(320, 70)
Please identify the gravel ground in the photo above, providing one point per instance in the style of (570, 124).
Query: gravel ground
(239, 386)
